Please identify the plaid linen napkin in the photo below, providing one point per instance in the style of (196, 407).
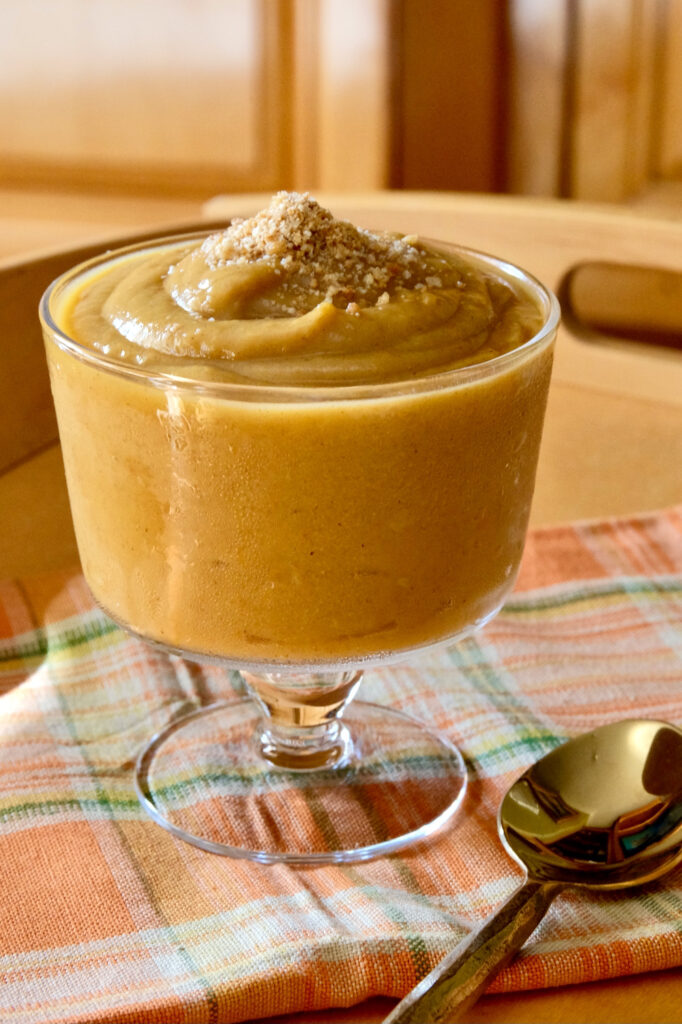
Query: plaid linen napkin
(104, 916)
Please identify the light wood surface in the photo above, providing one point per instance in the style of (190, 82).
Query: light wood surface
(669, 155)
(535, 157)
(342, 68)
(612, 445)
(192, 96)
(162, 95)
(38, 220)
(595, 98)
(183, 97)
(613, 98)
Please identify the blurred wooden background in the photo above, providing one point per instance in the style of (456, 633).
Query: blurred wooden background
(150, 106)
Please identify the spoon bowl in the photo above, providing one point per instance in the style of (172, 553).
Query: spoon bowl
(602, 811)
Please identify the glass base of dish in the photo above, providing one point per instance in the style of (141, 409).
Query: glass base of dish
(205, 779)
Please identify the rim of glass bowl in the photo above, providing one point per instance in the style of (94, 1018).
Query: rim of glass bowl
(254, 391)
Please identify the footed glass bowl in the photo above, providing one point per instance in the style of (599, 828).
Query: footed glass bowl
(299, 535)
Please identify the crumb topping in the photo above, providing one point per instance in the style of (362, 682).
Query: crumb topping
(293, 295)
(350, 266)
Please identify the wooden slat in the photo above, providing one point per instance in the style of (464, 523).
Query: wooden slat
(305, 106)
(669, 135)
(539, 46)
(646, 83)
(612, 98)
(451, 93)
(341, 94)
(595, 108)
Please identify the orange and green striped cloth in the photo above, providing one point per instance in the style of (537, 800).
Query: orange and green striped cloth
(106, 917)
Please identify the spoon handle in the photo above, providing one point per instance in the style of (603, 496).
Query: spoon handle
(460, 978)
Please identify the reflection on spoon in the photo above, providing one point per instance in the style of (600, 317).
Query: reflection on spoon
(602, 811)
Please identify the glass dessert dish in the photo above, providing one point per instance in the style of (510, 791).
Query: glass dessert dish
(298, 533)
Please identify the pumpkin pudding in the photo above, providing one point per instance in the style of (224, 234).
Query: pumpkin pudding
(296, 441)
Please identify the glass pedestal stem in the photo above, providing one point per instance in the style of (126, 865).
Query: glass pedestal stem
(301, 727)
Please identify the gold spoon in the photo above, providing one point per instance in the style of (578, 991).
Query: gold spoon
(602, 811)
